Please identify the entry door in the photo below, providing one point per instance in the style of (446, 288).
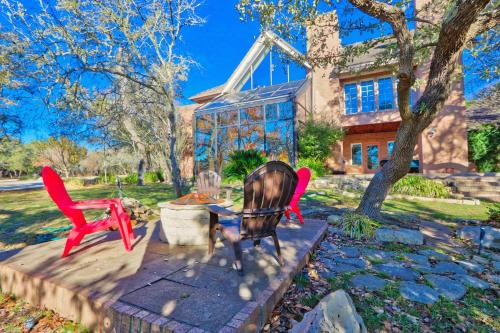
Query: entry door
(372, 158)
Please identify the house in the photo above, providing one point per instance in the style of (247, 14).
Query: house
(358, 98)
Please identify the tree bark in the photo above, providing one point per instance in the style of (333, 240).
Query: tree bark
(174, 166)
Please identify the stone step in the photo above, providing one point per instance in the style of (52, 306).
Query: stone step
(493, 196)
(474, 182)
(478, 188)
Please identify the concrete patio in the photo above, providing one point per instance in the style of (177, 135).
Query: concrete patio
(156, 287)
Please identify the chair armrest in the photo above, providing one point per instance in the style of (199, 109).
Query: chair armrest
(221, 211)
(92, 204)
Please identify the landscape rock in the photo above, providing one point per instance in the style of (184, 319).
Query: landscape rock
(335, 313)
(368, 282)
(496, 266)
(434, 255)
(448, 268)
(417, 292)
(471, 281)
(471, 266)
(447, 287)
(491, 235)
(333, 219)
(397, 271)
(372, 254)
(401, 235)
(356, 262)
(494, 278)
(481, 260)
(349, 251)
(418, 259)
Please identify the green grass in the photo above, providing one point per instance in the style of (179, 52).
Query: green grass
(22, 214)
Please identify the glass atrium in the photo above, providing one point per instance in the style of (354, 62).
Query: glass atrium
(261, 119)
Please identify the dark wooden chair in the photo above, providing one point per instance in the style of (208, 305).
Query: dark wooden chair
(267, 193)
(209, 183)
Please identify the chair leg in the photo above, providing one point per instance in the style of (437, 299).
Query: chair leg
(74, 239)
(278, 249)
(238, 262)
(299, 215)
(212, 232)
(287, 214)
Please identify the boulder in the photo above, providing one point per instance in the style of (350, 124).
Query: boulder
(491, 235)
(401, 235)
(335, 313)
(334, 219)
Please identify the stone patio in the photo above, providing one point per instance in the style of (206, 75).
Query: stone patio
(157, 287)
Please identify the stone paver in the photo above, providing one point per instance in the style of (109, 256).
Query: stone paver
(356, 262)
(402, 235)
(417, 292)
(496, 266)
(377, 255)
(349, 251)
(435, 255)
(156, 286)
(447, 287)
(494, 278)
(418, 259)
(471, 266)
(368, 282)
(448, 268)
(491, 235)
(471, 281)
(397, 271)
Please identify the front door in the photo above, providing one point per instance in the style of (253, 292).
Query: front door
(372, 158)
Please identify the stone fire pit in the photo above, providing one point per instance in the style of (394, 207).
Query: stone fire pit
(183, 224)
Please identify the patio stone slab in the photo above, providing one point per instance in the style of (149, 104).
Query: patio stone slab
(158, 287)
(417, 292)
(447, 287)
(368, 282)
(397, 271)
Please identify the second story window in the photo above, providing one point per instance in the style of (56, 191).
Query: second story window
(367, 96)
(385, 94)
(351, 98)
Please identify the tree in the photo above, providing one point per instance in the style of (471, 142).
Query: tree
(62, 154)
(80, 52)
(445, 29)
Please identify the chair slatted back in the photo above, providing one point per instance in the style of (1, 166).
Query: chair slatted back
(267, 192)
(57, 191)
(209, 183)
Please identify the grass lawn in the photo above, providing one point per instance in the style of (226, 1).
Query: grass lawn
(23, 214)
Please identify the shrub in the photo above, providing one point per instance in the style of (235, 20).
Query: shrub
(317, 167)
(152, 177)
(74, 181)
(241, 163)
(111, 179)
(421, 187)
(316, 139)
(494, 213)
(130, 178)
(484, 147)
(357, 225)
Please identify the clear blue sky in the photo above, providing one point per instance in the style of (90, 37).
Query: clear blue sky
(217, 47)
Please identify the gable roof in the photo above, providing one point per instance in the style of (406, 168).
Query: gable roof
(252, 59)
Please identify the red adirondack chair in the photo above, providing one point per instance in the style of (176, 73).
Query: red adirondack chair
(304, 177)
(73, 211)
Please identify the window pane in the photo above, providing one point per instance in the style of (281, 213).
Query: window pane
(227, 142)
(205, 121)
(251, 115)
(286, 110)
(252, 137)
(271, 111)
(372, 157)
(367, 97)
(204, 150)
(351, 98)
(356, 155)
(279, 140)
(390, 148)
(385, 94)
(227, 118)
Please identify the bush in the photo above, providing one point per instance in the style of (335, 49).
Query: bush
(494, 213)
(130, 179)
(421, 187)
(74, 181)
(317, 167)
(111, 179)
(358, 226)
(316, 140)
(484, 147)
(241, 163)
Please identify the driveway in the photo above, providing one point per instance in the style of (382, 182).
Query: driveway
(19, 185)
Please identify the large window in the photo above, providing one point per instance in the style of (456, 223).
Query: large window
(367, 96)
(385, 94)
(351, 98)
(356, 154)
(390, 148)
(268, 128)
(372, 157)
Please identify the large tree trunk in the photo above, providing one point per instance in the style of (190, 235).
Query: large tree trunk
(174, 166)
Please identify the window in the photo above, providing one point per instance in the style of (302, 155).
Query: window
(367, 96)
(251, 115)
(356, 154)
(351, 98)
(390, 148)
(385, 94)
(372, 157)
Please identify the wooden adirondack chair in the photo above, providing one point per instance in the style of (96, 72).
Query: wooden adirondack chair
(267, 193)
(73, 211)
(304, 175)
(209, 183)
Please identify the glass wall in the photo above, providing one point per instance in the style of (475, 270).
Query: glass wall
(268, 128)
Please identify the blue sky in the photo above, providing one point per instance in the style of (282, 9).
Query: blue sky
(217, 47)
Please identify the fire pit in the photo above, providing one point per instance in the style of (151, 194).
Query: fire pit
(185, 221)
